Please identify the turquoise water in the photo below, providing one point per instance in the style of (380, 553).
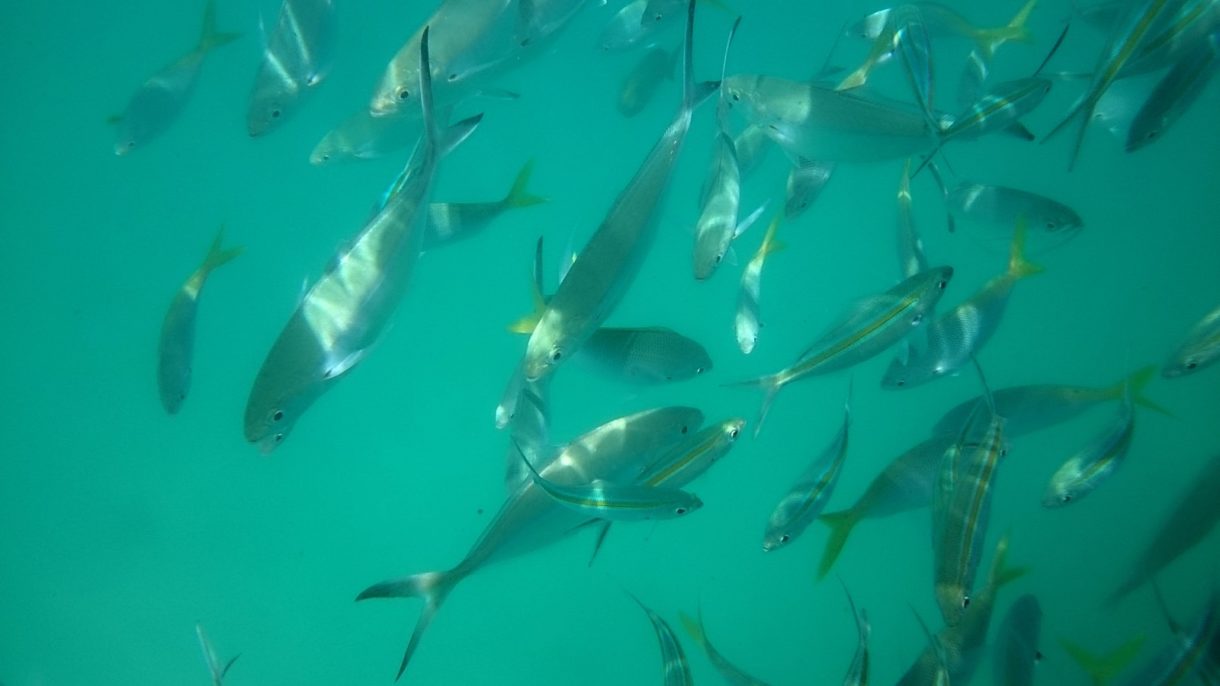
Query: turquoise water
(123, 527)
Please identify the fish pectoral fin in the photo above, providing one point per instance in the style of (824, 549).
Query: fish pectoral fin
(346, 364)
(601, 538)
(228, 665)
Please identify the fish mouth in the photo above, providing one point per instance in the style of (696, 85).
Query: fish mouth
(383, 106)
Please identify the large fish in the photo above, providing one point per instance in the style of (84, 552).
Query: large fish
(1175, 93)
(157, 104)
(1201, 348)
(641, 83)
(1016, 648)
(295, 59)
(732, 673)
(607, 266)
(1186, 655)
(215, 669)
(344, 313)
(177, 345)
(530, 519)
(1001, 207)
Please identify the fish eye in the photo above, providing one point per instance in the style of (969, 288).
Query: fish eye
(277, 415)
(556, 355)
(275, 114)
(965, 602)
(733, 433)
(404, 93)
(718, 258)
(698, 370)
(278, 438)
(1192, 364)
(1067, 497)
(685, 429)
(1151, 135)
(940, 285)
(1051, 225)
(453, 76)
(917, 319)
(736, 96)
(901, 383)
(680, 511)
(785, 538)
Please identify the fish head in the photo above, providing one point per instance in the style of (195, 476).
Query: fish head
(547, 349)
(270, 417)
(1057, 495)
(953, 600)
(124, 145)
(747, 333)
(711, 245)
(270, 105)
(745, 91)
(1181, 365)
(1144, 131)
(687, 505)
(325, 152)
(775, 538)
(935, 281)
(1060, 218)
(397, 92)
(870, 26)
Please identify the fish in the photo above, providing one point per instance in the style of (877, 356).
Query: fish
(868, 328)
(1103, 668)
(957, 335)
(529, 433)
(1177, 662)
(905, 484)
(1194, 514)
(746, 323)
(646, 355)
(1002, 207)
(641, 83)
(1016, 653)
(362, 137)
(674, 669)
(1032, 408)
(1200, 349)
(731, 673)
(691, 457)
(342, 315)
(449, 222)
(1174, 94)
(217, 671)
(806, 179)
(155, 106)
(911, 258)
(858, 671)
(807, 497)
(1138, 23)
(177, 346)
(640, 22)
(295, 59)
(751, 145)
(913, 45)
(604, 270)
(601, 499)
(1084, 471)
(530, 519)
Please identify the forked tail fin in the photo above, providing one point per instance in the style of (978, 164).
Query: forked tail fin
(841, 525)
(431, 587)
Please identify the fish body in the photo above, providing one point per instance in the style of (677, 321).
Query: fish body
(1184, 657)
(674, 669)
(732, 673)
(746, 323)
(363, 137)
(1016, 651)
(911, 259)
(647, 355)
(640, 22)
(999, 108)
(1174, 94)
(1201, 348)
(344, 312)
(1083, 472)
(602, 272)
(215, 669)
(158, 102)
(1174, 39)
(1001, 206)
(295, 59)
(177, 345)
(688, 459)
(449, 222)
(806, 179)
(530, 519)
(751, 144)
(807, 497)
(641, 83)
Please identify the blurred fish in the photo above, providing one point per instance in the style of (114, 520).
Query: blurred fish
(690, 458)
(646, 355)
(731, 673)
(363, 136)
(1185, 655)
(1200, 349)
(868, 328)
(1002, 207)
(1095, 463)
(806, 179)
(641, 82)
(295, 59)
(913, 46)
(155, 106)
(1195, 513)
(449, 222)
(530, 519)
(209, 656)
(747, 323)
(674, 670)
(935, 671)
(1103, 668)
(910, 246)
(957, 335)
(540, 19)
(1171, 40)
(340, 318)
(177, 345)
(807, 497)
(858, 672)
(751, 145)
(905, 484)
(1016, 653)
(1175, 93)
(642, 22)
(607, 266)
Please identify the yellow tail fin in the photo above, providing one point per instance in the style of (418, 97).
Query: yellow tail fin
(841, 525)
(989, 40)
(1102, 668)
(1136, 381)
(218, 254)
(1018, 266)
(209, 36)
(518, 195)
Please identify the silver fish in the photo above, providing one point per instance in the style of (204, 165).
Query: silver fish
(155, 106)
(688, 459)
(604, 270)
(751, 146)
(530, 519)
(215, 669)
(1016, 649)
(858, 671)
(449, 222)
(641, 83)
(295, 59)
(1174, 94)
(177, 345)
(1177, 662)
(646, 355)
(1001, 207)
(343, 314)
(1083, 472)
(1201, 348)
(362, 136)
(807, 497)
(635, 24)
(731, 672)
(806, 179)
(746, 323)
(674, 669)
(911, 259)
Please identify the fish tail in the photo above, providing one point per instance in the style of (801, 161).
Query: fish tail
(770, 386)
(218, 254)
(770, 243)
(432, 587)
(1001, 573)
(1084, 110)
(841, 525)
(857, 78)
(1135, 383)
(1018, 266)
(210, 37)
(1103, 668)
(694, 627)
(519, 195)
(989, 40)
(527, 324)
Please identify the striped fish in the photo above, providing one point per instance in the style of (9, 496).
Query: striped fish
(674, 669)
(1083, 472)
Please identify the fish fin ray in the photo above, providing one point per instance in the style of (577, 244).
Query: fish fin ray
(432, 587)
(841, 525)
(218, 254)
(209, 36)
(519, 195)
(1104, 667)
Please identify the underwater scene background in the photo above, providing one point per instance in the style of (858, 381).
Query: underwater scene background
(123, 527)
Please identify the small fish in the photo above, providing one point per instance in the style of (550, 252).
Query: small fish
(1193, 516)
(155, 106)
(867, 329)
(858, 672)
(1016, 651)
(806, 179)
(807, 497)
(1095, 463)
(674, 670)
(449, 222)
(746, 323)
(1174, 94)
(295, 59)
(645, 77)
(911, 258)
(731, 673)
(690, 458)
(905, 484)
(178, 330)
(363, 137)
(1177, 662)
(957, 335)
(1001, 207)
(1200, 349)
(616, 502)
(217, 671)
(640, 22)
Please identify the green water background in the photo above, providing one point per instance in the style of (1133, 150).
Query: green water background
(122, 527)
